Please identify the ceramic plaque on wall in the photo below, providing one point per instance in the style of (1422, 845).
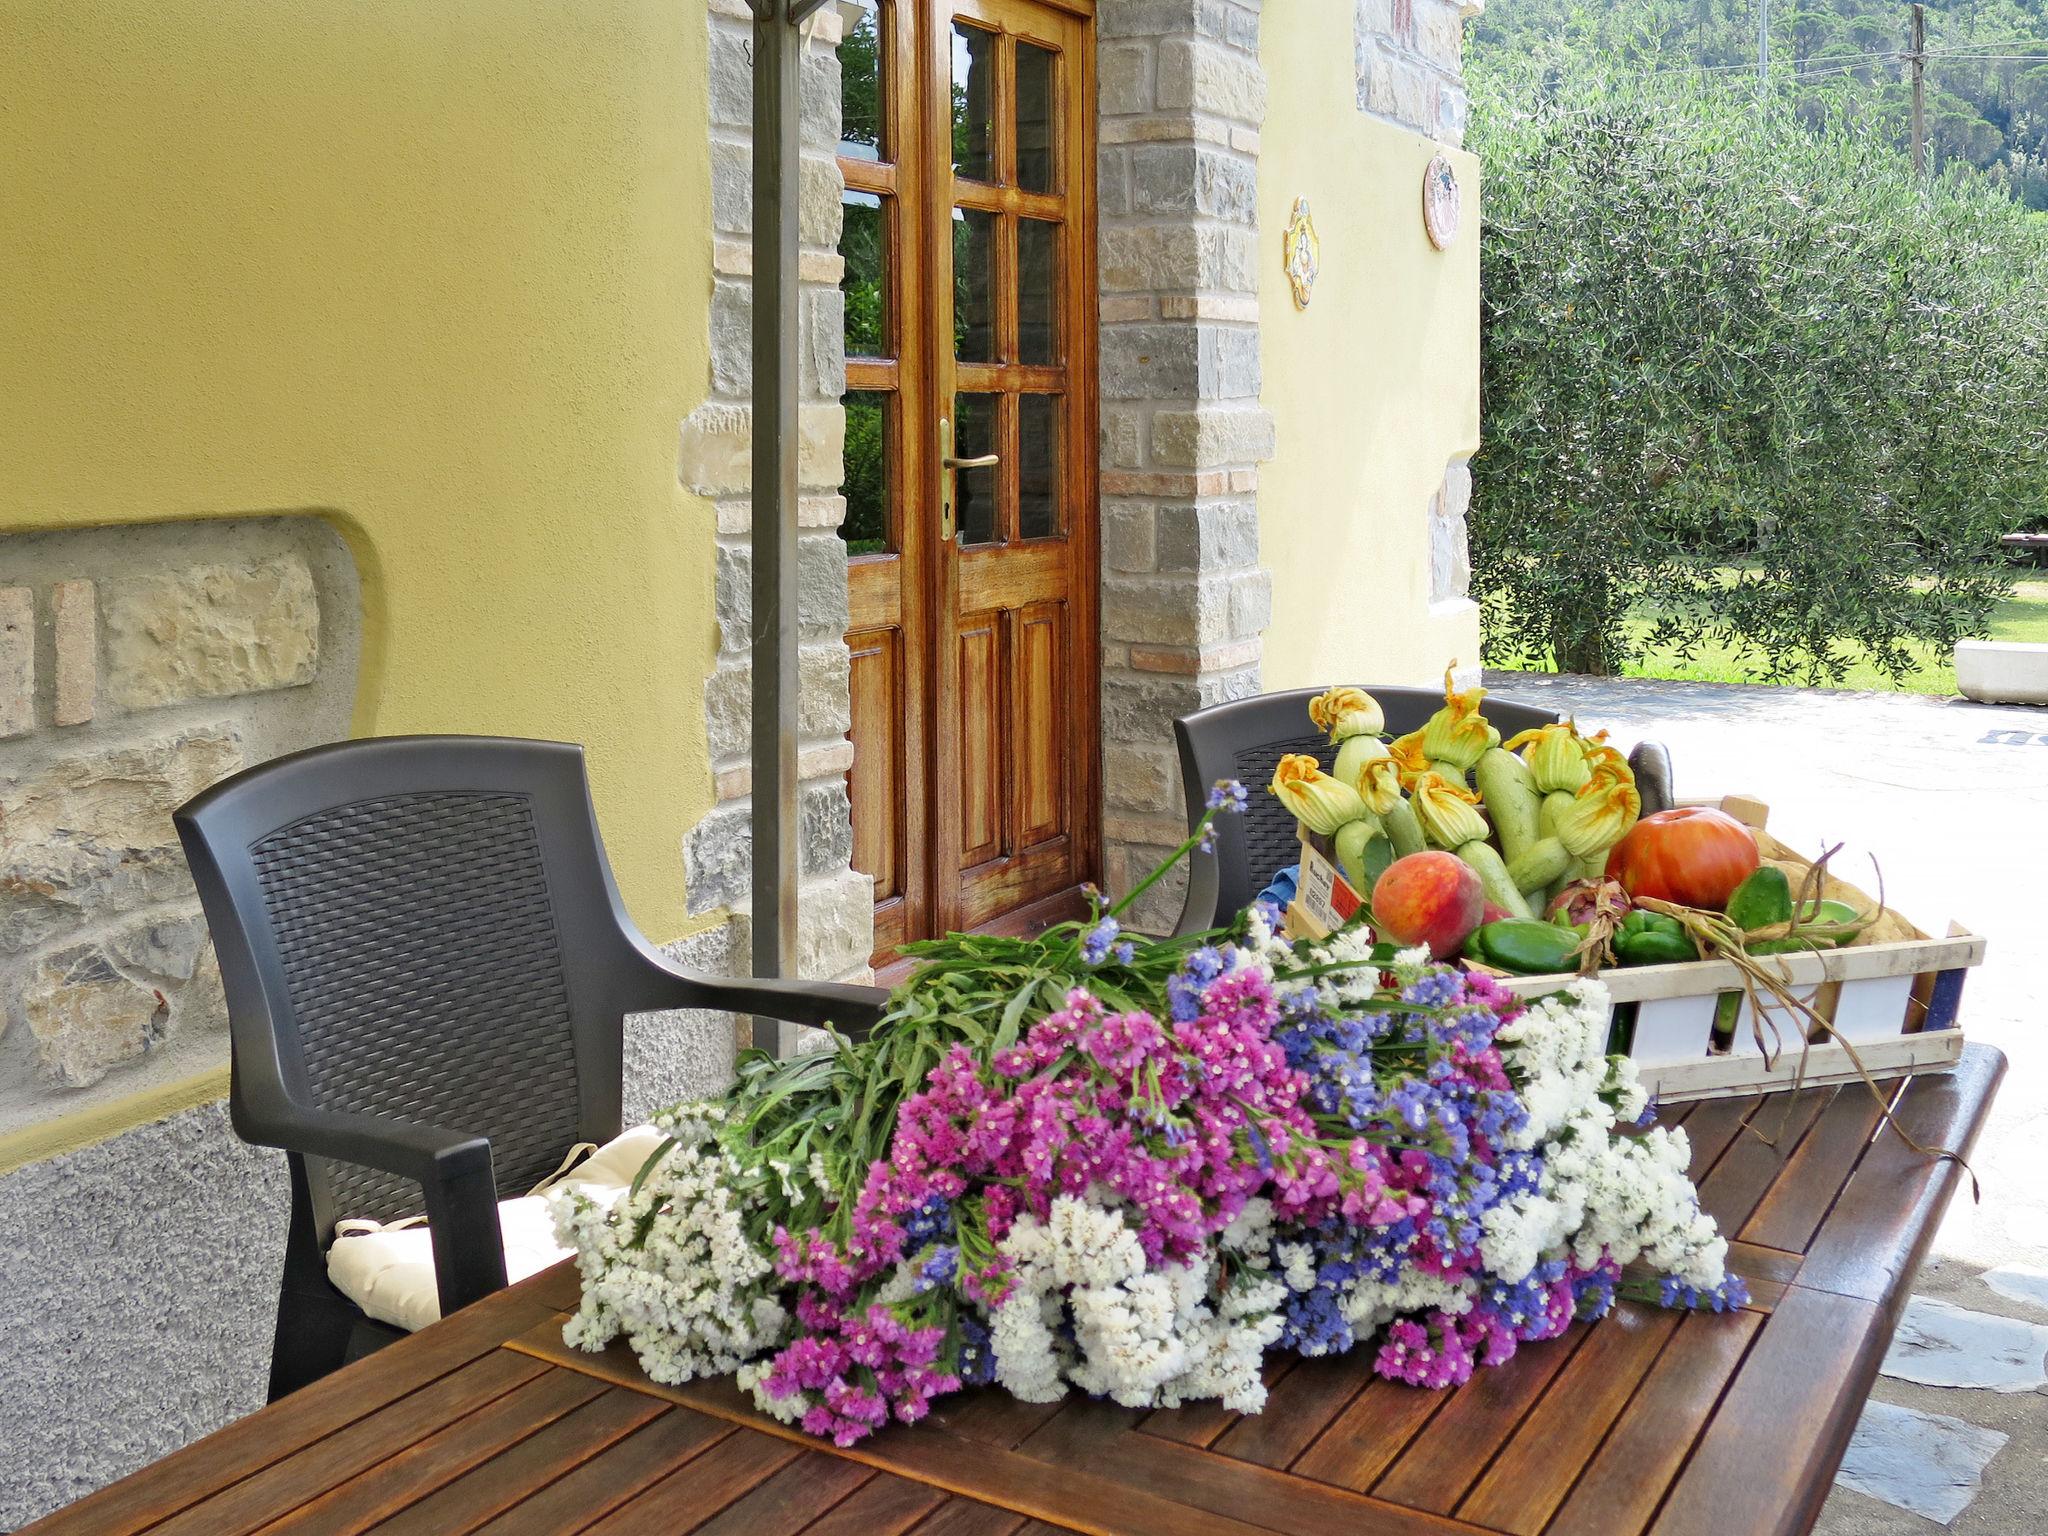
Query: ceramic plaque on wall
(1303, 253)
(1443, 203)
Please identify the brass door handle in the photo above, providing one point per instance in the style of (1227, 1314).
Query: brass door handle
(948, 464)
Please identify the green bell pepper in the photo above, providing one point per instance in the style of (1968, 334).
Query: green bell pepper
(1651, 938)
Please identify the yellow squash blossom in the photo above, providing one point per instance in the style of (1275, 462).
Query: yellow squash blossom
(1556, 756)
(1600, 815)
(1450, 812)
(1316, 800)
(1457, 735)
(1368, 767)
(1409, 758)
(1347, 713)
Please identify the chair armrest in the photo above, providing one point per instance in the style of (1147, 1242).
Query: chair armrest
(1651, 763)
(452, 1168)
(852, 1010)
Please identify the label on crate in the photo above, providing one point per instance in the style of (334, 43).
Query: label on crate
(1324, 894)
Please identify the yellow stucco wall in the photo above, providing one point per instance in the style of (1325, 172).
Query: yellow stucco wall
(438, 271)
(1374, 389)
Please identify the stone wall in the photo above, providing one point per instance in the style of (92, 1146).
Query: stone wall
(1411, 68)
(836, 904)
(137, 666)
(1181, 98)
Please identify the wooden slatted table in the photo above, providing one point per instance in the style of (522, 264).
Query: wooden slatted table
(1648, 1422)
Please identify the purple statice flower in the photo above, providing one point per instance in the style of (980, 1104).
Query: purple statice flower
(977, 1353)
(1731, 1294)
(1096, 943)
(1648, 1117)
(1229, 796)
(1593, 1290)
(929, 1222)
(938, 1269)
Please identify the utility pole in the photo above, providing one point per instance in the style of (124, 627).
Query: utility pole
(1919, 60)
(1763, 40)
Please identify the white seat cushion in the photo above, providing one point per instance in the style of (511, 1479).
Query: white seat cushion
(389, 1271)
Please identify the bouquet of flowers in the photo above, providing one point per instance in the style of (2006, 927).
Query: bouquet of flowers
(1134, 1166)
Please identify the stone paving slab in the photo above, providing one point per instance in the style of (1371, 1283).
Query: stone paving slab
(1939, 1344)
(1926, 1463)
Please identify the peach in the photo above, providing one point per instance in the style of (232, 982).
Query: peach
(1429, 898)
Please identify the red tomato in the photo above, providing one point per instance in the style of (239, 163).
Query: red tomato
(1691, 855)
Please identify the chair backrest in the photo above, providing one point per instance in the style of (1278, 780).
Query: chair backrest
(419, 928)
(1245, 740)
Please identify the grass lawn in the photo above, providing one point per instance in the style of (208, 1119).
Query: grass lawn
(2024, 616)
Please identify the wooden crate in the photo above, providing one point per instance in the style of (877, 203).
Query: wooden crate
(1895, 1000)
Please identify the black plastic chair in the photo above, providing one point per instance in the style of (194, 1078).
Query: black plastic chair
(1245, 740)
(427, 969)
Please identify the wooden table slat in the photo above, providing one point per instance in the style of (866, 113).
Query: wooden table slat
(1873, 1240)
(284, 1485)
(1535, 1470)
(1363, 1441)
(1758, 1154)
(1792, 1210)
(1711, 1129)
(545, 1457)
(1076, 1498)
(1627, 1478)
(1097, 1436)
(1765, 1462)
(269, 1435)
(885, 1505)
(804, 1489)
(1437, 1468)
(728, 1471)
(613, 1476)
(443, 1455)
(1297, 1410)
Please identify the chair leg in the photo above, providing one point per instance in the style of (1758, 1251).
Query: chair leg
(314, 1320)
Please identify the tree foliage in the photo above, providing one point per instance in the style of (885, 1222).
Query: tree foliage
(1744, 377)
(1987, 74)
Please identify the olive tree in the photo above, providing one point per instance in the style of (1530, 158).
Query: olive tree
(1744, 376)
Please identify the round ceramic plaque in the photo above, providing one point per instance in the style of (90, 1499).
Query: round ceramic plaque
(1443, 203)
(1303, 253)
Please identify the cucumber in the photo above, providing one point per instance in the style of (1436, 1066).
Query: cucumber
(1493, 878)
(1763, 900)
(1404, 830)
(1526, 947)
(1539, 865)
(1511, 800)
(1363, 852)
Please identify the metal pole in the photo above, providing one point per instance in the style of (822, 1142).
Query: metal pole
(778, 141)
(1763, 41)
(1919, 58)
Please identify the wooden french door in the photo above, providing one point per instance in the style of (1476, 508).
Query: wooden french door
(970, 528)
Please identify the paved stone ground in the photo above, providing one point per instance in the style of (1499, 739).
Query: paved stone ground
(1953, 798)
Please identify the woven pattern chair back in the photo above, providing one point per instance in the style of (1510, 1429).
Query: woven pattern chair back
(419, 946)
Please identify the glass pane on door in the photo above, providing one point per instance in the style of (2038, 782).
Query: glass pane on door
(864, 283)
(1037, 126)
(861, 115)
(865, 527)
(1038, 466)
(974, 102)
(977, 433)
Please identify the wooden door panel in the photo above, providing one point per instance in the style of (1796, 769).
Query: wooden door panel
(877, 732)
(980, 692)
(1038, 736)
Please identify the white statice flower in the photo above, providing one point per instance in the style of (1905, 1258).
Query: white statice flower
(1557, 1048)
(670, 1267)
(1141, 1336)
